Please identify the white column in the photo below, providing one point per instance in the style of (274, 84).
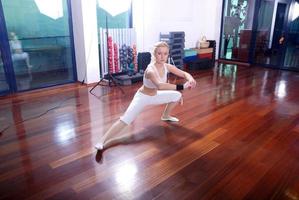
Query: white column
(84, 15)
(138, 23)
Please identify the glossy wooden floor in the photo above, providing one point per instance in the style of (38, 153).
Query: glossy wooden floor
(238, 138)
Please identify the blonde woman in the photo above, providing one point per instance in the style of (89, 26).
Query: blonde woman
(154, 91)
(17, 50)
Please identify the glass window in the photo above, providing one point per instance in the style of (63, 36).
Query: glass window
(39, 38)
(3, 82)
(116, 16)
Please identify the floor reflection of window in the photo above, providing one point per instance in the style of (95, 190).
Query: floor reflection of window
(225, 79)
(126, 176)
(64, 132)
(280, 90)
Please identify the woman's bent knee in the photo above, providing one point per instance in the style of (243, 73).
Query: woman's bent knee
(126, 120)
(177, 96)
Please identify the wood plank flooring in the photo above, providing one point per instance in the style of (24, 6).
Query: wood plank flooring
(238, 138)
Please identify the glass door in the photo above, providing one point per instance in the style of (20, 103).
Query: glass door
(237, 29)
(276, 43)
(263, 32)
(291, 57)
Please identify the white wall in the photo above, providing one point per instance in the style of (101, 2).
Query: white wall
(196, 18)
(86, 40)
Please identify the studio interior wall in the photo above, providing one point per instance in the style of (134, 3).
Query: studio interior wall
(196, 18)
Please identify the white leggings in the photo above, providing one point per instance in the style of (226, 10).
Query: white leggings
(20, 56)
(141, 100)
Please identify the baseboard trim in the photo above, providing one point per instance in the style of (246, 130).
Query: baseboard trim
(234, 62)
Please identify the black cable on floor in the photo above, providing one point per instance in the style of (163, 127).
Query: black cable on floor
(35, 117)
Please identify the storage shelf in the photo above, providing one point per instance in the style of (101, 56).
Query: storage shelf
(176, 42)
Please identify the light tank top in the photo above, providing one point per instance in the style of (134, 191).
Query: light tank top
(148, 83)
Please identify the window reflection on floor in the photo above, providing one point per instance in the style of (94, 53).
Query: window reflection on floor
(225, 79)
(125, 176)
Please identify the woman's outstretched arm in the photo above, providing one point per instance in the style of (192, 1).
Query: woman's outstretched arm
(180, 73)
